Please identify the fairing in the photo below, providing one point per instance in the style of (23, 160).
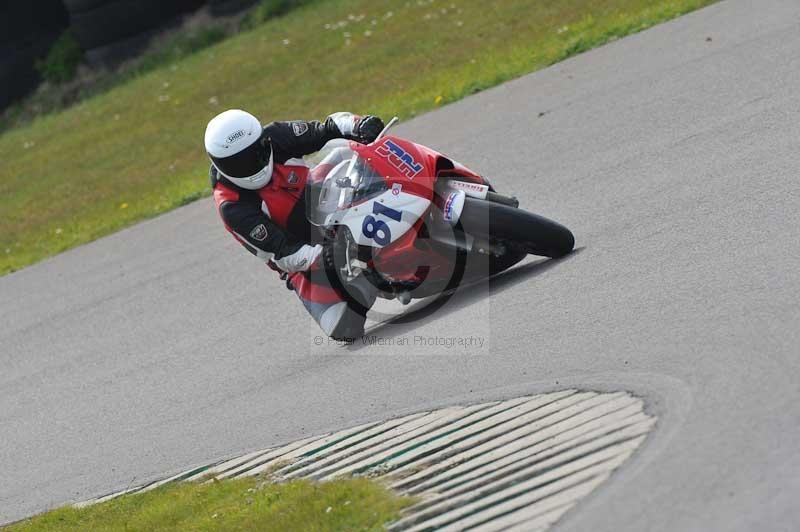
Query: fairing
(379, 191)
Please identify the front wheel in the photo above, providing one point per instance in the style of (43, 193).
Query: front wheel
(520, 229)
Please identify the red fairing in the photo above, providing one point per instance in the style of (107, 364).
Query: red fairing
(414, 167)
(409, 258)
(466, 173)
(404, 162)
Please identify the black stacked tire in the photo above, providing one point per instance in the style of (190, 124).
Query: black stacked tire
(105, 22)
(535, 234)
(229, 7)
(79, 6)
(17, 72)
(27, 22)
(112, 30)
(113, 53)
(27, 31)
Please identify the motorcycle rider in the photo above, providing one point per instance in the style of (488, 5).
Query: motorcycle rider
(258, 179)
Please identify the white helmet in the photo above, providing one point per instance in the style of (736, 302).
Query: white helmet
(238, 150)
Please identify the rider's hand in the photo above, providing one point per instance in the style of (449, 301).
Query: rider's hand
(368, 128)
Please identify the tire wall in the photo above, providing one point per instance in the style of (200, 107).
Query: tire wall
(228, 7)
(109, 31)
(27, 31)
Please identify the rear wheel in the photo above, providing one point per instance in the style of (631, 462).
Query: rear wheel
(516, 228)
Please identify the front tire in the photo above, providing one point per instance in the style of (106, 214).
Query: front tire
(520, 229)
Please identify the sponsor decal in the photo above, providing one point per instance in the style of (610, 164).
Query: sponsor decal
(259, 233)
(396, 189)
(292, 178)
(468, 186)
(400, 159)
(236, 135)
(299, 128)
(472, 189)
(448, 206)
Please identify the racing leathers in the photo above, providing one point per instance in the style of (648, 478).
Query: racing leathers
(271, 222)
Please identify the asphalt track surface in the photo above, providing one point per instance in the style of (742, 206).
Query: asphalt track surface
(673, 158)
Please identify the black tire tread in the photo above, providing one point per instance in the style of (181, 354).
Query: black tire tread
(535, 234)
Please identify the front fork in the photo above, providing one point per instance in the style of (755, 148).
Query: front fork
(478, 191)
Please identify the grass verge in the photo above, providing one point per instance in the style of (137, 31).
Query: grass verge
(238, 504)
(136, 151)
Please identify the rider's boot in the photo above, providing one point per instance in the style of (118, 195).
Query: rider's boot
(349, 318)
(344, 320)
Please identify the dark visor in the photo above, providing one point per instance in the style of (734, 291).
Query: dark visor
(247, 162)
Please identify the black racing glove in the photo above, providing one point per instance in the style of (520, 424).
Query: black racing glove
(367, 129)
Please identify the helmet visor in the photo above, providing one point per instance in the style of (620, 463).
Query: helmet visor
(247, 162)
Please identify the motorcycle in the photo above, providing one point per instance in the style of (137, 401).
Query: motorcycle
(414, 222)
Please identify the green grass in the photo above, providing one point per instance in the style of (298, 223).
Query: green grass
(136, 151)
(243, 504)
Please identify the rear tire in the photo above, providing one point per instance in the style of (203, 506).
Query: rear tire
(535, 234)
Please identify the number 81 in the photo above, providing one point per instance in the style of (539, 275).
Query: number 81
(378, 230)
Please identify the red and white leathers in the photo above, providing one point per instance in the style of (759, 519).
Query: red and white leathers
(270, 222)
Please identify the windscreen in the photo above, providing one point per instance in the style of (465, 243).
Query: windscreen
(340, 180)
